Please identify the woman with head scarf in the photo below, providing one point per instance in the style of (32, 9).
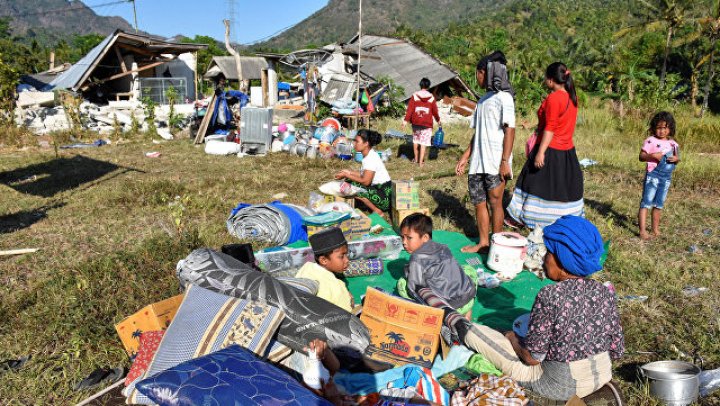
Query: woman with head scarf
(574, 329)
(488, 157)
(550, 184)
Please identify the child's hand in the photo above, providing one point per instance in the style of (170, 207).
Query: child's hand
(657, 156)
(673, 159)
(319, 346)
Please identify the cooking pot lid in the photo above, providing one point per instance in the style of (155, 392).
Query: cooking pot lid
(509, 239)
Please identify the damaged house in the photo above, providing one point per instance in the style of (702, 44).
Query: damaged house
(397, 59)
(127, 66)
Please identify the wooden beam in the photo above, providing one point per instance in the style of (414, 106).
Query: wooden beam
(138, 50)
(200, 136)
(130, 72)
(120, 58)
(264, 84)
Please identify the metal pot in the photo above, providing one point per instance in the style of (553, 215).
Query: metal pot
(312, 151)
(674, 382)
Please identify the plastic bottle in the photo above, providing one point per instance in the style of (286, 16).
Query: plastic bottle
(315, 372)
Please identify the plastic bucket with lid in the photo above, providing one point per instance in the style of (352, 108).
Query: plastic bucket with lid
(674, 382)
(507, 254)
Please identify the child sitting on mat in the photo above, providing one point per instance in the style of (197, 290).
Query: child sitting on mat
(331, 257)
(433, 266)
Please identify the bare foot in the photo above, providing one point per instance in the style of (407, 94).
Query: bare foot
(475, 249)
(644, 236)
(422, 164)
(656, 233)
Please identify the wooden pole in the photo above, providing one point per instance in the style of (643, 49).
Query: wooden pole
(236, 55)
(357, 95)
(196, 75)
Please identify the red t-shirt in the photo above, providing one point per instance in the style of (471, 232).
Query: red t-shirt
(558, 114)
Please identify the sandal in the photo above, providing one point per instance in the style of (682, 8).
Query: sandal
(13, 364)
(512, 223)
(99, 376)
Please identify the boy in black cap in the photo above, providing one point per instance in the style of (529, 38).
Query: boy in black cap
(331, 257)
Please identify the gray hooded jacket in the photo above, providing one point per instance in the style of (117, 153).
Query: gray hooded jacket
(433, 266)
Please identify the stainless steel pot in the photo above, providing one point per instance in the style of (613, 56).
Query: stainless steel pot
(674, 382)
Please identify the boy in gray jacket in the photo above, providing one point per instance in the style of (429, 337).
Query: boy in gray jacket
(433, 266)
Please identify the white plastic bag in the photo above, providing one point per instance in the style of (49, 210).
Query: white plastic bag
(336, 188)
(221, 148)
(709, 381)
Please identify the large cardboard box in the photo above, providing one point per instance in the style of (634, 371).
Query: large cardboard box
(399, 215)
(153, 317)
(401, 331)
(359, 225)
(406, 195)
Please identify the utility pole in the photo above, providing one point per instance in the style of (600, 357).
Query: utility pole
(134, 15)
(357, 118)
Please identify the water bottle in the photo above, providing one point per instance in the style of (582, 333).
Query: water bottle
(315, 372)
(438, 138)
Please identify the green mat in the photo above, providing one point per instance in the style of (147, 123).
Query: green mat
(496, 308)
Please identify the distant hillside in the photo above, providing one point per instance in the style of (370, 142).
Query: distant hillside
(338, 21)
(49, 20)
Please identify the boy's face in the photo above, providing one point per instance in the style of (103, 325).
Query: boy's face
(412, 241)
(337, 261)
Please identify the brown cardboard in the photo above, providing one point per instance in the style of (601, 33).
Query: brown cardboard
(406, 195)
(331, 199)
(358, 226)
(401, 331)
(399, 215)
(153, 317)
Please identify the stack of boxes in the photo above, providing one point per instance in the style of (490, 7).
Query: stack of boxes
(406, 200)
(353, 228)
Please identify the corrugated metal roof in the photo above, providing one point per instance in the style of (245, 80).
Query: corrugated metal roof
(401, 61)
(338, 87)
(252, 67)
(76, 76)
(70, 79)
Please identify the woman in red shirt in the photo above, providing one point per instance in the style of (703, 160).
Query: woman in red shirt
(551, 182)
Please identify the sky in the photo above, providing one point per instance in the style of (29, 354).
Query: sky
(257, 19)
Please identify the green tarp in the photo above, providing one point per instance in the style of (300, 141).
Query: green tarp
(496, 308)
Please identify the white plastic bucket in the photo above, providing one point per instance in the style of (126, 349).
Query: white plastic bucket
(507, 254)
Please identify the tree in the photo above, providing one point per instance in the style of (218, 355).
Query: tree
(713, 32)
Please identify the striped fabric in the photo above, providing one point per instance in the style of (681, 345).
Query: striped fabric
(536, 212)
(429, 388)
(207, 322)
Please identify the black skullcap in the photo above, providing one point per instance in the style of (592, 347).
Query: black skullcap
(327, 240)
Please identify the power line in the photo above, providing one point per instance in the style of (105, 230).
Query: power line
(64, 10)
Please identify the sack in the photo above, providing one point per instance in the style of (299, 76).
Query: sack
(530, 144)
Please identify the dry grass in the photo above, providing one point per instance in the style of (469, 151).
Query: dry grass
(105, 220)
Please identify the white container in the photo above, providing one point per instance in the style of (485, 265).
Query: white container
(315, 373)
(507, 254)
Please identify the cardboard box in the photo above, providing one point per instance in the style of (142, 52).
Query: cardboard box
(349, 200)
(358, 226)
(399, 215)
(406, 195)
(401, 331)
(153, 317)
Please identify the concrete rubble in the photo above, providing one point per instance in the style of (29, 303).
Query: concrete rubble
(41, 119)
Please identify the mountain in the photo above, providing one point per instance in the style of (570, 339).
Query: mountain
(338, 21)
(49, 20)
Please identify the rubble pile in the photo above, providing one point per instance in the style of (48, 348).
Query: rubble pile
(102, 119)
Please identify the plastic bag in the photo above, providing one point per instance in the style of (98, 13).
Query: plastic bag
(709, 381)
(336, 188)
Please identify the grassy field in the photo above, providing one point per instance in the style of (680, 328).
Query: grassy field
(111, 225)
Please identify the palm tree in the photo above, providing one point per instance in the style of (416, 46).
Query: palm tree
(713, 32)
(669, 13)
(396, 337)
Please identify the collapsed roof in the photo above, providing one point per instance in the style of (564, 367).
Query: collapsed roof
(403, 62)
(106, 61)
(252, 67)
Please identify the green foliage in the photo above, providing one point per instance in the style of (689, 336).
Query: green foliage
(149, 108)
(391, 104)
(174, 119)
(8, 79)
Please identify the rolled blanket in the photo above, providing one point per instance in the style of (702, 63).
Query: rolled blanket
(307, 316)
(274, 223)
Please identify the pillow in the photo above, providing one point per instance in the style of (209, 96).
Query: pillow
(149, 343)
(208, 321)
(233, 376)
(364, 267)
